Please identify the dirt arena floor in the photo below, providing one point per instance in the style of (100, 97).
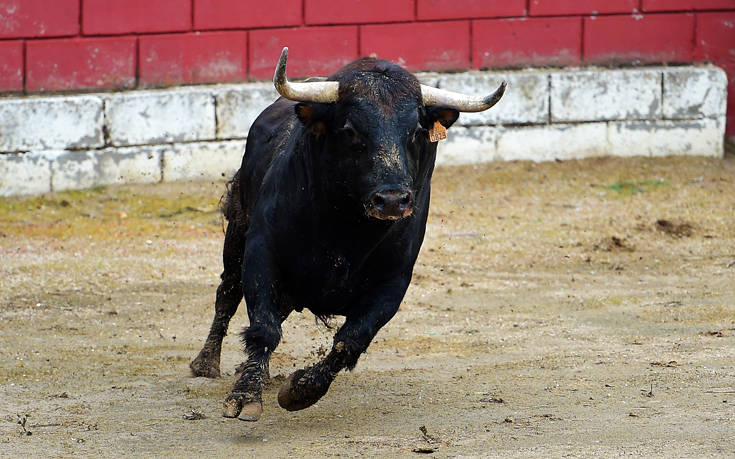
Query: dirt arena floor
(580, 308)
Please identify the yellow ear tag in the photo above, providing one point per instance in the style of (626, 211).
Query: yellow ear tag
(438, 132)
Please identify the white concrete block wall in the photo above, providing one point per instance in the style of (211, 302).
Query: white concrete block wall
(606, 95)
(79, 141)
(465, 145)
(110, 166)
(526, 101)
(557, 141)
(694, 93)
(667, 138)
(43, 123)
(152, 117)
(24, 173)
(202, 160)
(239, 106)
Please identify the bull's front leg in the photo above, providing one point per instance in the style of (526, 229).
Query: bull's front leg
(260, 287)
(305, 387)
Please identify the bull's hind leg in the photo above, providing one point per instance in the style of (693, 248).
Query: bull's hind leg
(229, 294)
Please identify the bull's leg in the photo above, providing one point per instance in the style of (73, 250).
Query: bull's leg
(304, 387)
(260, 286)
(266, 372)
(229, 294)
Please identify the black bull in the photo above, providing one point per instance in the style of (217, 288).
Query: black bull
(327, 212)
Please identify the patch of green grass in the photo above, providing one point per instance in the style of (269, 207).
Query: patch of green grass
(111, 212)
(629, 188)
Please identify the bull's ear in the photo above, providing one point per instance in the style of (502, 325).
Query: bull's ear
(446, 116)
(313, 116)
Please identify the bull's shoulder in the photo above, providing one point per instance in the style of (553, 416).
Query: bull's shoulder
(269, 148)
(272, 121)
(271, 134)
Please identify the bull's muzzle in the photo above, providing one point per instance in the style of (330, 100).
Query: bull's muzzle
(390, 205)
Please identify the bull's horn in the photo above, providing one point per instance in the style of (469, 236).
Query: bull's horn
(461, 102)
(323, 91)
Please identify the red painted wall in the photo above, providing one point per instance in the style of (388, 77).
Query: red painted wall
(68, 45)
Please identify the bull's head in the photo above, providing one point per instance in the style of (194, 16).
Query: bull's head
(372, 122)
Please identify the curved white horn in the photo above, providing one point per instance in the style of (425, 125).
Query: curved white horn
(461, 102)
(322, 92)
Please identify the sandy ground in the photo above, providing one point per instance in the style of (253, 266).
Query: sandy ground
(580, 308)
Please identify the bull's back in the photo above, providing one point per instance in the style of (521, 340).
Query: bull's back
(268, 137)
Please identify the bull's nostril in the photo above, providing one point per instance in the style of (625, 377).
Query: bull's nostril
(391, 204)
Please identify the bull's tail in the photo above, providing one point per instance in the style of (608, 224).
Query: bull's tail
(227, 202)
(230, 203)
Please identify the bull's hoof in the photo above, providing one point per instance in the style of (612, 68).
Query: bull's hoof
(297, 392)
(243, 406)
(205, 365)
(233, 406)
(251, 411)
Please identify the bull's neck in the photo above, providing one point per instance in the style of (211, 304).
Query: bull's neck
(323, 199)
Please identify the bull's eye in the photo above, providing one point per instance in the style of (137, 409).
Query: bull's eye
(348, 132)
(351, 138)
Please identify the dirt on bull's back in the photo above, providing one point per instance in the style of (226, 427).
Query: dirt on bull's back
(553, 311)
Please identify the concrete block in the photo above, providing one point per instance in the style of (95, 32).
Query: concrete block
(668, 138)
(152, 117)
(24, 173)
(86, 169)
(694, 92)
(51, 123)
(202, 161)
(238, 107)
(526, 99)
(551, 142)
(428, 78)
(467, 145)
(606, 95)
